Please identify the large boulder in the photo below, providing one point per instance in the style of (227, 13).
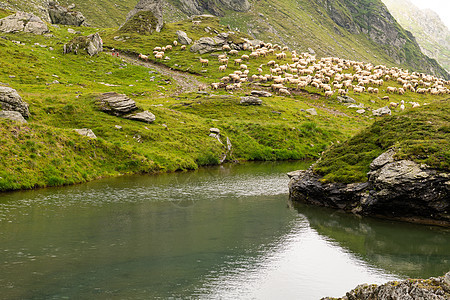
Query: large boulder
(12, 115)
(399, 189)
(141, 9)
(116, 104)
(183, 38)
(92, 44)
(22, 21)
(10, 100)
(250, 100)
(381, 111)
(65, 16)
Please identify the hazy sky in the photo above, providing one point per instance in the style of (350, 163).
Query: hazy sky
(442, 7)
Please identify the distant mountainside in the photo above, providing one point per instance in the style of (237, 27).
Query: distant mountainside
(354, 29)
(431, 33)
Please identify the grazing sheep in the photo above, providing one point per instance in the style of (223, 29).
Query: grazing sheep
(204, 62)
(243, 67)
(329, 93)
(222, 68)
(393, 105)
(284, 91)
(226, 47)
(143, 57)
(237, 61)
(175, 43)
(233, 52)
(183, 47)
(245, 57)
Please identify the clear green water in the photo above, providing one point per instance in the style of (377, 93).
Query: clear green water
(218, 233)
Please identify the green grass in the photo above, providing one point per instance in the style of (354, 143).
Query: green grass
(422, 135)
(47, 152)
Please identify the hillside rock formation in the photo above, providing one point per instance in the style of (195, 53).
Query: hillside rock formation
(10, 100)
(217, 8)
(432, 288)
(395, 189)
(431, 33)
(62, 15)
(375, 21)
(153, 6)
(22, 21)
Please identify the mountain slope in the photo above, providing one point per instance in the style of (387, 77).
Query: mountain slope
(354, 29)
(431, 33)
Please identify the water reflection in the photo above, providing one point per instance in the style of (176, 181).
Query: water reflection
(406, 249)
(224, 232)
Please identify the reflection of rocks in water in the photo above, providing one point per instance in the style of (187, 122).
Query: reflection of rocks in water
(401, 248)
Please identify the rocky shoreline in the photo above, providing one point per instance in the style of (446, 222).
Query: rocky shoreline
(402, 190)
(432, 288)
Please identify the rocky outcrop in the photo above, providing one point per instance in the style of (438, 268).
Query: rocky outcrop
(92, 44)
(153, 6)
(250, 100)
(217, 8)
(210, 44)
(12, 115)
(22, 21)
(432, 288)
(10, 100)
(65, 16)
(381, 111)
(116, 104)
(396, 189)
(183, 38)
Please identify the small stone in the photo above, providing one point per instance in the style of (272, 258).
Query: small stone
(118, 127)
(312, 111)
(214, 130)
(251, 100)
(361, 111)
(86, 132)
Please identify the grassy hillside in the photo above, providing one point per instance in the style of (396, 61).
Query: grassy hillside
(422, 135)
(62, 90)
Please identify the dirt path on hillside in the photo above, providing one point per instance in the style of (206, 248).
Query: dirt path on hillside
(186, 82)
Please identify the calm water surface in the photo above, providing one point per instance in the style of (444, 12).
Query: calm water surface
(227, 232)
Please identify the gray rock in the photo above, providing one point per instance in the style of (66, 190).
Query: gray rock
(312, 111)
(65, 16)
(361, 111)
(86, 132)
(346, 99)
(183, 38)
(431, 288)
(22, 21)
(11, 100)
(205, 45)
(12, 115)
(384, 158)
(261, 94)
(92, 44)
(70, 30)
(381, 111)
(214, 130)
(154, 6)
(116, 104)
(251, 100)
(144, 116)
(355, 106)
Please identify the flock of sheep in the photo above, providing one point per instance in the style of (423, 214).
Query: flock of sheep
(331, 75)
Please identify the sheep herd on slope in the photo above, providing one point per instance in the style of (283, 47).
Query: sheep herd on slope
(331, 75)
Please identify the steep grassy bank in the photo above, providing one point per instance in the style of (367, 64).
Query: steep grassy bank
(421, 135)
